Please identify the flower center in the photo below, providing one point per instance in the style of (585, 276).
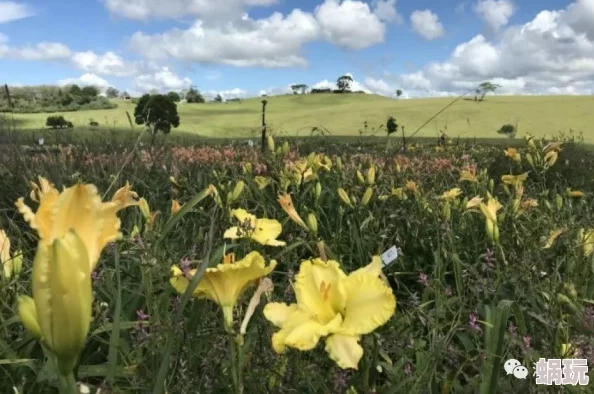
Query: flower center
(229, 258)
(325, 290)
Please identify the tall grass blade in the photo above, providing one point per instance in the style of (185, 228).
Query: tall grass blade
(112, 355)
(184, 210)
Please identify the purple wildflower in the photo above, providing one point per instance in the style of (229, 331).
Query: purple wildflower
(472, 322)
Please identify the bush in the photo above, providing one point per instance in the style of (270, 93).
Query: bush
(508, 130)
(57, 122)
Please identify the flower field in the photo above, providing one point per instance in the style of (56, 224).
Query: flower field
(314, 267)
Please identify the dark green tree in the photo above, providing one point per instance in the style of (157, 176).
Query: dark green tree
(112, 92)
(174, 96)
(218, 98)
(75, 90)
(194, 96)
(344, 83)
(157, 112)
(90, 91)
(398, 93)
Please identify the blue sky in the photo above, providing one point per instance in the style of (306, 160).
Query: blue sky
(424, 47)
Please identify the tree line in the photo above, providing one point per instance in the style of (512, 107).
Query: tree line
(45, 98)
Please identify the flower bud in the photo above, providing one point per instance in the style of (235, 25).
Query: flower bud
(238, 190)
(318, 190)
(270, 143)
(371, 175)
(342, 194)
(312, 223)
(360, 177)
(286, 148)
(367, 196)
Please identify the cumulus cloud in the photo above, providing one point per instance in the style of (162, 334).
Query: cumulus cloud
(227, 94)
(495, 13)
(12, 11)
(208, 10)
(271, 42)
(108, 63)
(552, 53)
(87, 79)
(427, 24)
(355, 85)
(386, 11)
(163, 80)
(41, 51)
(350, 24)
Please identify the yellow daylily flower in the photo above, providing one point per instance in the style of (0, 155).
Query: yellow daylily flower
(514, 180)
(399, 193)
(411, 186)
(468, 175)
(60, 311)
(551, 158)
(333, 305)
(575, 193)
(286, 203)
(490, 209)
(79, 208)
(553, 235)
(452, 194)
(474, 202)
(175, 207)
(553, 146)
(513, 154)
(529, 203)
(321, 161)
(226, 282)
(262, 182)
(263, 231)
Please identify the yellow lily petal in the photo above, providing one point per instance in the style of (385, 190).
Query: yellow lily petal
(28, 315)
(374, 268)
(266, 232)
(286, 203)
(302, 331)
(344, 350)
(278, 313)
(4, 248)
(370, 304)
(318, 289)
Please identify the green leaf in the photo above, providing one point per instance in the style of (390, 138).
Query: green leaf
(112, 355)
(494, 341)
(187, 207)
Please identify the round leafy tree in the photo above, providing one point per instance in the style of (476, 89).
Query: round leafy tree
(157, 112)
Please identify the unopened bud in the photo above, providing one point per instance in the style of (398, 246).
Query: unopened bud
(312, 223)
(367, 196)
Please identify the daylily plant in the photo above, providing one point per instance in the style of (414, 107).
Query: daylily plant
(74, 226)
(334, 305)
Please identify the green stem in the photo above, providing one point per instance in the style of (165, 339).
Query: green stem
(235, 374)
(67, 384)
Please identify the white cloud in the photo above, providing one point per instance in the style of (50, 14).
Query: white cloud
(386, 11)
(349, 24)
(495, 13)
(227, 94)
(553, 53)
(271, 42)
(87, 79)
(427, 24)
(355, 85)
(107, 64)
(163, 80)
(208, 10)
(40, 51)
(12, 11)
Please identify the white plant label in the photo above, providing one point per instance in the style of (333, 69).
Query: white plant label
(389, 255)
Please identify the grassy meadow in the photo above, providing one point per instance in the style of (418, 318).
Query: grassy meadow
(344, 115)
(495, 260)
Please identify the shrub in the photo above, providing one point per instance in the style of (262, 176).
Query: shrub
(57, 122)
(508, 130)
